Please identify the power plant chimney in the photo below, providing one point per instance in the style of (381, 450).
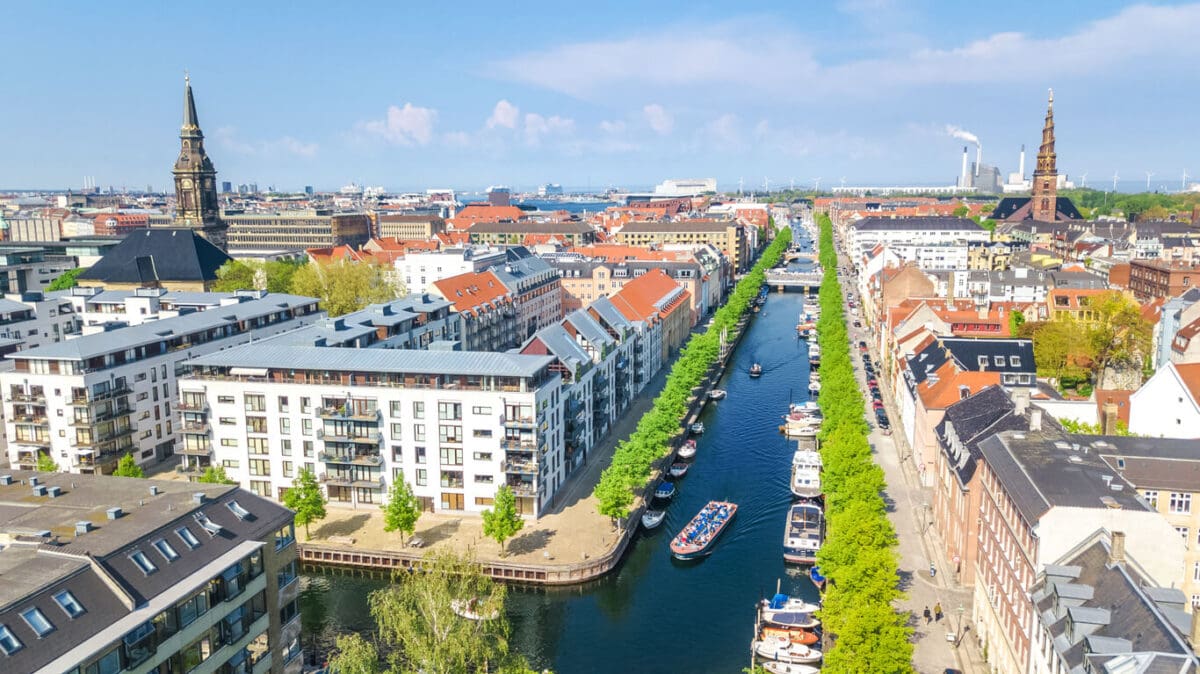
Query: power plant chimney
(1021, 166)
(962, 182)
(978, 158)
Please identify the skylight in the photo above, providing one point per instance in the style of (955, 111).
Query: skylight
(209, 526)
(143, 562)
(8, 641)
(37, 622)
(189, 539)
(238, 510)
(164, 548)
(69, 604)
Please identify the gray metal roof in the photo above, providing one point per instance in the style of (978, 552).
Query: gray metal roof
(90, 346)
(271, 355)
(916, 223)
(590, 328)
(609, 313)
(559, 342)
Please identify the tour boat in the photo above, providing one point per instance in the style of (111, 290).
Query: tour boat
(803, 533)
(783, 650)
(678, 469)
(468, 609)
(697, 538)
(688, 450)
(806, 474)
(815, 575)
(697, 428)
(665, 490)
(717, 394)
(756, 370)
(788, 668)
(652, 518)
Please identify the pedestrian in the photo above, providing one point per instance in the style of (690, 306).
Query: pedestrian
(932, 570)
(937, 611)
(927, 618)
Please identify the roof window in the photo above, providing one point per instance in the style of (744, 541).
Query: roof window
(69, 604)
(37, 622)
(237, 509)
(8, 641)
(164, 548)
(143, 562)
(209, 526)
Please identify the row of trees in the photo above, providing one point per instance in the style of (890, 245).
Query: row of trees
(634, 458)
(859, 553)
(342, 286)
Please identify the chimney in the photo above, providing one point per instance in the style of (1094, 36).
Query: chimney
(1035, 419)
(1108, 417)
(962, 181)
(1021, 166)
(1020, 398)
(978, 158)
(1116, 548)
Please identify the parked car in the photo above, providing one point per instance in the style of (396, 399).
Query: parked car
(862, 346)
(858, 324)
(877, 404)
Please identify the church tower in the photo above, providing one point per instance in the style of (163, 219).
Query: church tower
(196, 179)
(1045, 177)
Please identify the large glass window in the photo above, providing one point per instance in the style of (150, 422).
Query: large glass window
(1181, 503)
(69, 604)
(189, 539)
(143, 562)
(37, 622)
(8, 641)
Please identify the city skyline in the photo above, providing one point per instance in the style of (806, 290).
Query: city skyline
(601, 99)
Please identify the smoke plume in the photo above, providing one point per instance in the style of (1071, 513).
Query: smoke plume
(962, 134)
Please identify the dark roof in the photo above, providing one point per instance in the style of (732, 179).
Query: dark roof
(1132, 620)
(970, 420)
(1150, 463)
(967, 351)
(923, 223)
(166, 254)
(1017, 208)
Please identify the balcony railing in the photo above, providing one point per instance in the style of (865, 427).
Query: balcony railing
(520, 467)
(111, 393)
(351, 459)
(185, 406)
(195, 427)
(34, 419)
(28, 397)
(519, 445)
(41, 442)
(369, 439)
(342, 480)
(520, 422)
(526, 489)
(205, 450)
(348, 413)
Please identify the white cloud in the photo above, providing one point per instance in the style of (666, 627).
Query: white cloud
(504, 115)
(409, 125)
(723, 133)
(537, 127)
(227, 138)
(659, 119)
(615, 127)
(777, 60)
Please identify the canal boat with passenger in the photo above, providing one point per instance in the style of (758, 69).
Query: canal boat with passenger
(697, 538)
(756, 370)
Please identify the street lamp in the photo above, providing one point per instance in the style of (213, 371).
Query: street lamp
(958, 635)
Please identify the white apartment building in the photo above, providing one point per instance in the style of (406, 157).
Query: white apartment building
(865, 234)
(87, 401)
(29, 320)
(455, 425)
(419, 271)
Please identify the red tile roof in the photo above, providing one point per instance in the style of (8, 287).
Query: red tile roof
(1190, 374)
(473, 293)
(637, 299)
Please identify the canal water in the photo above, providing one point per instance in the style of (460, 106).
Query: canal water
(656, 614)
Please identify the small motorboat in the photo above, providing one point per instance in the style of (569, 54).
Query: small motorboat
(783, 650)
(678, 469)
(469, 609)
(652, 518)
(697, 538)
(788, 668)
(814, 387)
(803, 534)
(796, 635)
(717, 394)
(782, 603)
(815, 575)
(688, 450)
(756, 370)
(664, 491)
(697, 428)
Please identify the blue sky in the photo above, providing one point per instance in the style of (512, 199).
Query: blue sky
(464, 94)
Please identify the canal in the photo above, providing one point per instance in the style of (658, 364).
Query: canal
(656, 614)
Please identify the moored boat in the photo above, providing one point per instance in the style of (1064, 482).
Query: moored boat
(469, 610)
(803, 533)
(664, 490)
(697, 428)
(806, 474)
(688, 450)
(796, 635)
(756, 370)
(697, 538)
(783, 650)
(814, 574)
(717, 394)
(678, 469)
(789, 668)
(652, 518)
(782, 603)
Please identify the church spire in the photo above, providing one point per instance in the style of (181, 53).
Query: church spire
(1045, 176)
(196, 205)
(190, 121)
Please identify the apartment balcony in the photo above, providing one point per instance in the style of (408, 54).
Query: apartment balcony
(520, 422)
(28, 398)
(525, 489)
(289, 587)
(343, 480)
(114, 392)
(31, 419)
(184, 406)
(112, 413)
(30, 456)
(203, 450)
(350, 459)
(195, 427)
(36, 442)
(622, 363)
(348, 414)
(519, 467)
(369, 439)
(575, 408)
(519, 445)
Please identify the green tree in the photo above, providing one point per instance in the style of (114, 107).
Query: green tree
(1015, 320)
(66, 281)
(279, 274)
(355, 655)
(345, 286)
(237, 275)
(215, 475)
(402, 509)
(306, 499)
(46, 464)
(961, 211)
(127, 467)
(502, 521)
(420, 630)
(1120, 335)
(1061, 348)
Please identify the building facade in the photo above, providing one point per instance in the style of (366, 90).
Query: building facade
(727, 235)
(486, 308)
(1151, 279)
(296, 230)
(418, 227)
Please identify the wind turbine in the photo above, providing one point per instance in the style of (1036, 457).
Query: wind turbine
(816, 184)
(1083, 180)
(739, 187)
(1115, 179)
(1183, 181)
(792, 184)
(1149, 175)
(843, 182)
(766, 184)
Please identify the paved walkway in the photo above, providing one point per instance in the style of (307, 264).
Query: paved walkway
(934, 643)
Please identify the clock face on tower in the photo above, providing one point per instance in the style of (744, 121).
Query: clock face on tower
(187, 183)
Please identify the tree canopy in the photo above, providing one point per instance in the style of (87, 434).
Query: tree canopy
(66, 281)
(345, 286)
(274, 276)
(305, 497)
(47, 464)
(215, 475)
(127, 467)
(402, 509)
(502, 521)
(1115, 334)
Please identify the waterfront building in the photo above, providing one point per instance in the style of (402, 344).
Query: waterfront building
(196, 205)
(455, 425)
(731, 237)
(585, 280)
(419, 270)
(121, 575)
(486, 308)
(863, 235)
(663, 306)
(86, 402)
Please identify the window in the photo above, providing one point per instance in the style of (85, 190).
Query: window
(256, 403)
(305, 406)
(308, 449)
(998, 360)
(419, 432)
(288, 469)
(419, 454)
(69, 604)
(1014, 361)
(422, 477)
(1151, 498)
(283, 404)
(483, 479)
(164, 548)
(1184, 533)
(451, 456)
(1180, 503)
(983, 362)
(482, 433)
(394, 409)
(225, 400)
(8, 641)
(482, 456)
(257, 446)
(143, 562)
(260, 467)
(227, 421)
(189, 539)
(229, 442)
(481, 410)
(237, 509)
(306, 426)
(37, 622)
(285, 447)
(449, 411)
(397, 431)
(450, 433)
(418, 410)
(285, 425)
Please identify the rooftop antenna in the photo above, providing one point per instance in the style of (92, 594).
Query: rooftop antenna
(1149, 175)
(816, 184)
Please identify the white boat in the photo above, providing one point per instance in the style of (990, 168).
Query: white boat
(789, 668)
(688, 450)
(782, 603)
(806, 479)
(717, 394)
(697, 428)
(653, 518)
(469, 609)
(814, 386)
(782, 650)
(678, 469)
(798, 425)
(803, 533)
